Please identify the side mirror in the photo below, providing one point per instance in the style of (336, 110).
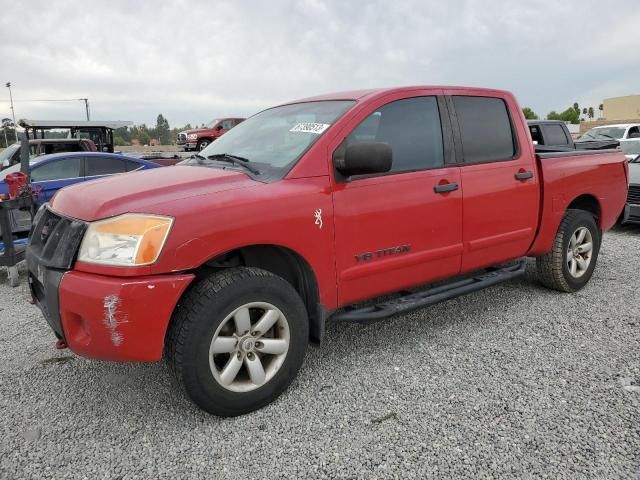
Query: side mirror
(218, 128)
(365, 159)
(634, 135)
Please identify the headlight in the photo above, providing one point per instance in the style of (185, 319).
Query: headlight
(192, 136)
(126, 240)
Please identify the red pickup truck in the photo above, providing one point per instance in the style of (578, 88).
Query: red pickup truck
(199, 138)
(229, 264)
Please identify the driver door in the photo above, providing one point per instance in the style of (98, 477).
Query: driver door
(399, 229)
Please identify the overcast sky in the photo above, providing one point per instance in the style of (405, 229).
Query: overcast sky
(196, 60)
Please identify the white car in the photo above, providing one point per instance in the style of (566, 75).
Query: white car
(622, 131)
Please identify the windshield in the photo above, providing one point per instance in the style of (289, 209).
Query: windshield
(603, 133)
(16, 168)
(7, 153)
(279, 136)
(212, 123)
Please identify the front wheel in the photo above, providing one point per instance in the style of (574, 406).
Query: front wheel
(570, 263)
(237, 340)
(202, 144)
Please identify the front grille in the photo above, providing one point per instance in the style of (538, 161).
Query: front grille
(633, 196)
(55, 239)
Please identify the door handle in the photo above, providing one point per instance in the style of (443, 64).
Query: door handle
(524, 175)
(446, 187)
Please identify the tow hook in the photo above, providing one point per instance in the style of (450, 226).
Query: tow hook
(61, 345)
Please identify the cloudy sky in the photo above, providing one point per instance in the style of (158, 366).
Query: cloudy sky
(196, 60)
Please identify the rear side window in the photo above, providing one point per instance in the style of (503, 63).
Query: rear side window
(412, 127)
(57, 170)
(131, 166)
(103, 166)
(555, 136)
(485, 128)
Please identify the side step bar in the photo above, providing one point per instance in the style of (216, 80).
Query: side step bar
(413, 301)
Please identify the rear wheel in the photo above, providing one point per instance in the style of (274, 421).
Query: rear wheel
(237, 340)
(569, 265)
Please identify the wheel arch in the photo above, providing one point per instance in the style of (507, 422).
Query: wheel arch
(588, 203)
(285, 263)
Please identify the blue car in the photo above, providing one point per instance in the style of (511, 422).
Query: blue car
(50, 173)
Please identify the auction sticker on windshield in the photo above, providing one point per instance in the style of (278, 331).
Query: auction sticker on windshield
(317, 128)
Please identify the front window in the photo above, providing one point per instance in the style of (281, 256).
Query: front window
(603, 133)
(276, 138)
(212, 123)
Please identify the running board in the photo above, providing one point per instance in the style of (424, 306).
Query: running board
(413, 301)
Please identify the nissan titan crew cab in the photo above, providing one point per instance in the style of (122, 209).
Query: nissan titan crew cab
(231, 263)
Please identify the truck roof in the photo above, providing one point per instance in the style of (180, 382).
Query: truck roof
(378, 92)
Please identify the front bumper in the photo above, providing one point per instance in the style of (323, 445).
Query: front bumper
(187, 145)
(108, 318)
(98, 316)
(631, 214)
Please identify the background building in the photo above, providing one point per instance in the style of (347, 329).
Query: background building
(616, 110)
(622, 108)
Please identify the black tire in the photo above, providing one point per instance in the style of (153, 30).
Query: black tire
(553, 269)
(202, 144)
(197, 318)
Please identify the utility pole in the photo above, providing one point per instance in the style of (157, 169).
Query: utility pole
(86, 106)
(13, 113)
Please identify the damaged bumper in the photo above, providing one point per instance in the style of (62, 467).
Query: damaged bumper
(110, 318)
(97, 316)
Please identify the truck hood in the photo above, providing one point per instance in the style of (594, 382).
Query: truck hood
(141, 191)
(195, 130)
(634, 173)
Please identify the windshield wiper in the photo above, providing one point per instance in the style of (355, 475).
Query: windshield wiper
(234, 159)
(199, 158)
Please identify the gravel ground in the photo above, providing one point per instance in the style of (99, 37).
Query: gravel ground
(511, 382)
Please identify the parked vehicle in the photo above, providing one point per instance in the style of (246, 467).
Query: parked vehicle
(631, 149)
(50, 173)
(199, 138)
(622, 131)
(230, 263)
(100, 132)
(632, 208)
(11, 155)
(554, 136)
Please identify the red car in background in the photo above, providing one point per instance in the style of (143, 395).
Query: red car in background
(199, 138)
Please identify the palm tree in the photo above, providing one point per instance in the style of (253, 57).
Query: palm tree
(591, 114)
(601, 108)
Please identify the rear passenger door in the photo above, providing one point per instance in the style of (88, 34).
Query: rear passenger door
(404, 227)
(500, 188)
(97, 166)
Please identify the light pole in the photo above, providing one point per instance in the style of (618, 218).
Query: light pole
(13, 113)
(86, 106)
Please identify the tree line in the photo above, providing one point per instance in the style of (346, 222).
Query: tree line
(144, 134)
(572, 114)
(121, 136)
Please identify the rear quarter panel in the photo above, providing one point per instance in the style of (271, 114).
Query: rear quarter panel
(565, 178)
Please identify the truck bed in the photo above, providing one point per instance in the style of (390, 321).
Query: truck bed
(591, 177)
